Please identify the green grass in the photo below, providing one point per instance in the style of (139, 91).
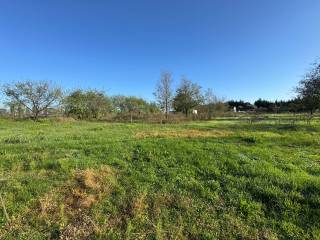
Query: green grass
(198, 180)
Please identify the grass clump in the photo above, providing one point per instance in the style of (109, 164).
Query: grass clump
(16, 139)
(249, 139)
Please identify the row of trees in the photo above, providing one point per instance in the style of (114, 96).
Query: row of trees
(93, 104)
(36, 99)
(293, 105)
(186, 97)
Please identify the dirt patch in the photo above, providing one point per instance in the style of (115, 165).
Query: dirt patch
(81, 228)
(183, 134)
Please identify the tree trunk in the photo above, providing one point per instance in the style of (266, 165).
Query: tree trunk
(36, 116)
(166, 109)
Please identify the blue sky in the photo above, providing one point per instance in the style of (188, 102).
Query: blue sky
(242, 49)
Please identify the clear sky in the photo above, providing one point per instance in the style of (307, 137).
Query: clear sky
(243, 49)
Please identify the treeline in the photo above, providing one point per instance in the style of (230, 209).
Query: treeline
(93, 104)
(188, 101)
(35, 99)
(264, 106)
(40, 99)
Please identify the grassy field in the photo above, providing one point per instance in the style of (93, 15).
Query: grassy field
(198, 180)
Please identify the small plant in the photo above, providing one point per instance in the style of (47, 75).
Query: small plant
(16, 140)
(249, 139)
(5, 213)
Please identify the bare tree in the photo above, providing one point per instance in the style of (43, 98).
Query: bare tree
(37, 97)
(212, 104)
(164, 93)
(210, 97)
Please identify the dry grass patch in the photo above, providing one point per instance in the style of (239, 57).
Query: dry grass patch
(85, 188)
(183, 134)
(68, 207)
(139, 205)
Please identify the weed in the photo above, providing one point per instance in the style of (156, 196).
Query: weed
(17, 139)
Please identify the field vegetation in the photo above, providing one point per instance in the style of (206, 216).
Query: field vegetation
(221, 179)
(86, 165)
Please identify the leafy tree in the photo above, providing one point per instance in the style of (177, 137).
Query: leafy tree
(125, 104)
(188, 96)
(75, 104)
(135, 105)
(132, 105)
(153, 107)
(87, 104)
(294, 105)
(164, 93)
(35, 96)
(118, 103)
(309, 89)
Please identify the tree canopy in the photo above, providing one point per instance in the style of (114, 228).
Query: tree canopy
(87, 104)
(35, 96)
(309, 89)
(188, 96)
